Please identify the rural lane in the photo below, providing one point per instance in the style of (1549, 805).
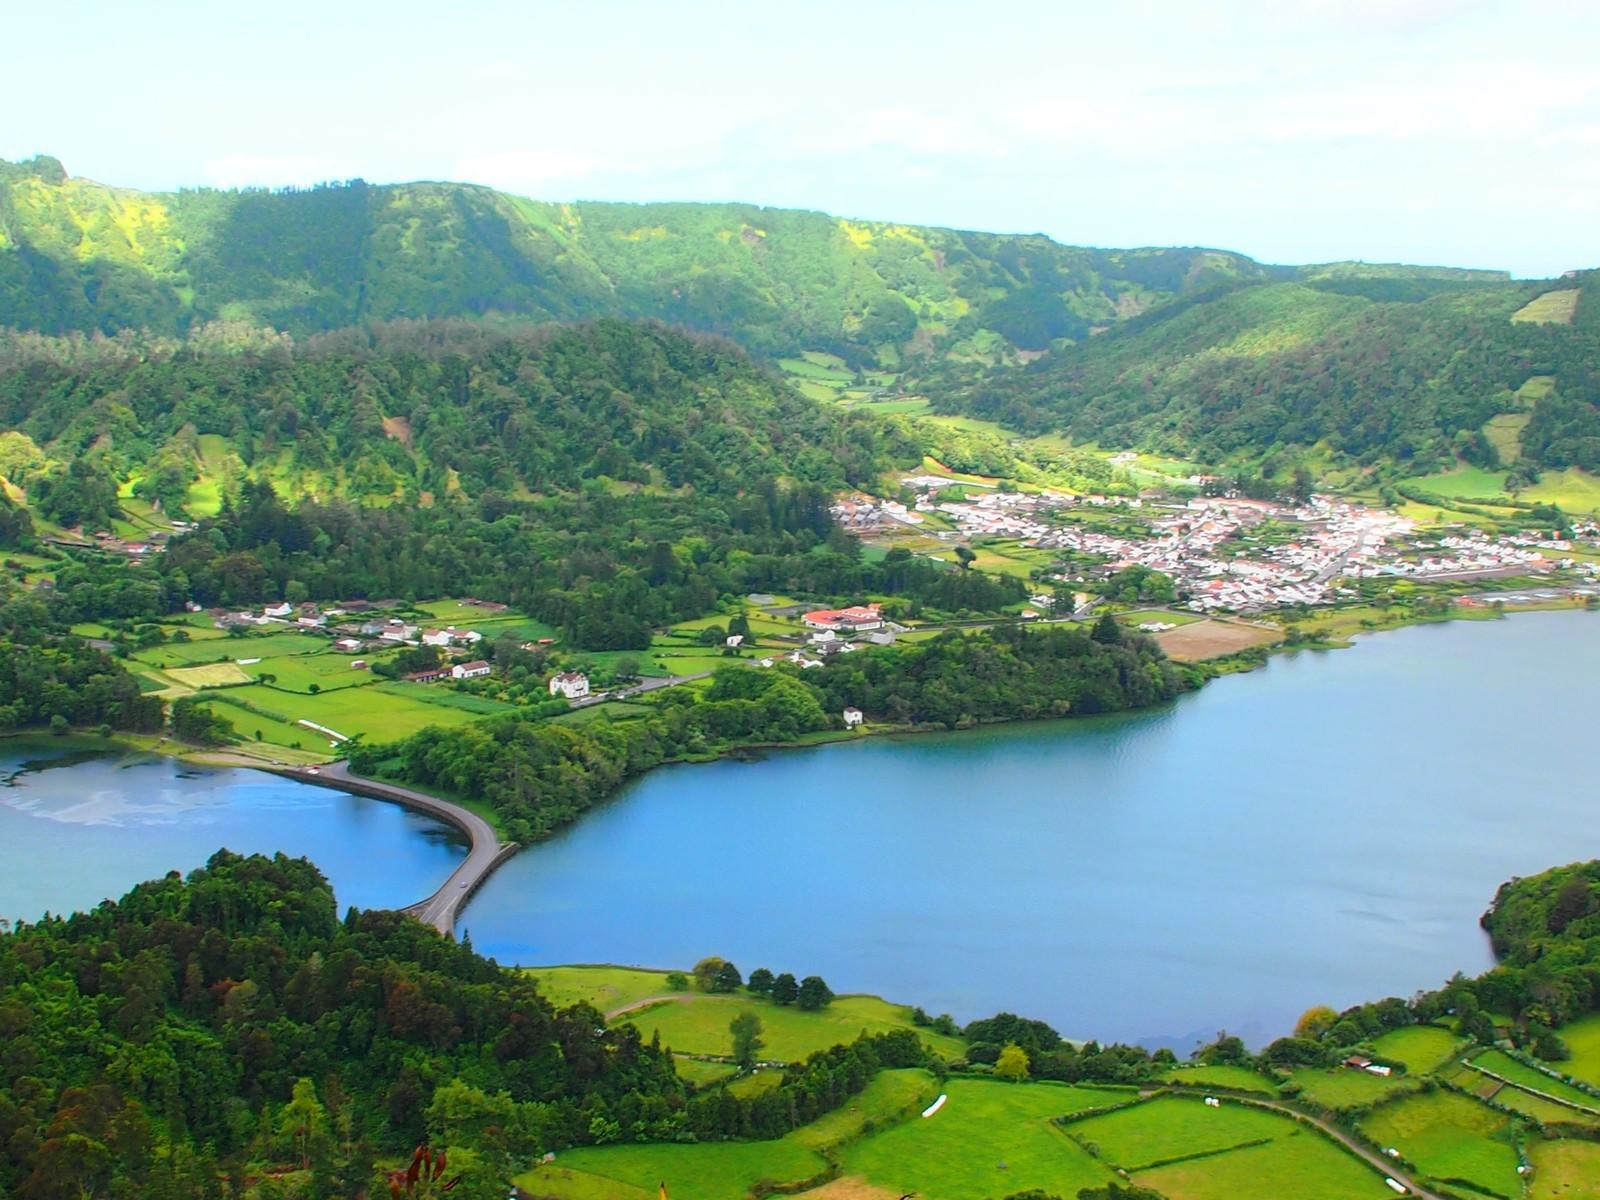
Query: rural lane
(486, 851)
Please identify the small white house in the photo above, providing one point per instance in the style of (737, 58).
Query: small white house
(277, 610)
(853, 717)
(470, 670)
(735, 640)
(574, 685)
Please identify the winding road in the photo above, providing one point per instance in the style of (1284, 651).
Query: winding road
(486, 853)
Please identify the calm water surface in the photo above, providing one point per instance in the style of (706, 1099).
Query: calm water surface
(1326, 830)
(75, 829)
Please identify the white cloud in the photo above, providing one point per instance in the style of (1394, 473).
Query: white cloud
(273, 170)
(530, 172)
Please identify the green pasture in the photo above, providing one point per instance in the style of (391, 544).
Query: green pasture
(183, 654)
(1449, 1136)
(747, 1087)
(890, 1095)
(701, 1073)
(990, 1139)
(1221, 1076)
(273, 731)
(698, 1024)
(1583, 1039)
(1565, 1170)
(1300, 1164)
(1504, 433)
(1157, 1131)
(381, 716)
(1171, 617)
(1524, 1076)
(1421, 1047)
(298, 672)
(1551, 308)
(1537, 1108)
(1341, 1087)
(606, 987)
(444, 695)
(208, 675)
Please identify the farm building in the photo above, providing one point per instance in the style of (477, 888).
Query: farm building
(856, 619)
(476, 669)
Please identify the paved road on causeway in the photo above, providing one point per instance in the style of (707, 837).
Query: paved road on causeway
(487, 850)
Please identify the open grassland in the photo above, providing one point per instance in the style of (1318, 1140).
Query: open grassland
(1212, 639)
(1565, 1170)
(1159, 1131)
(1449, 1136)
(1341, 1087)
(701, 1073)
(1300, 1164)
(607, 988)
(990, 1139)
(183, 654)
(698, 1024)
(1546, 1112)
(1550, 308)
(1221, 1076)
(211, 675)
(726, 1170)
(1421, 1047)
(1504, 433)
(381, 716)
(442, 695)
(1583, 1039)
(1523, 1076)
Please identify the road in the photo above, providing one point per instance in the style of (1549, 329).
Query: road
(653, 684)
(486, 853)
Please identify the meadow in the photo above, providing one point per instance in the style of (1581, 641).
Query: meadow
(1524, 1076)
(698, 1024)
(1341, 1087)
(1449, 1136)
(990, 1139)
(1300, 1164)
(1144, 1136)
(1422, 1048)
(1221, 1076)
(1565, 1170)
(1583, 1039)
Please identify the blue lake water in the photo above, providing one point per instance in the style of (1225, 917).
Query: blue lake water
(73, 833)
(1326, 830)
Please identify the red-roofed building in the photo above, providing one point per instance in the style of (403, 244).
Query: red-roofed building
(855, 619)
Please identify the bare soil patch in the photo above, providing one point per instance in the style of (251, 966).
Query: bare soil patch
(1212, 639)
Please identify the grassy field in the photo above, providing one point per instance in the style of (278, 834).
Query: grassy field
(698, 1024)
(1551, 308)
(1583, 1039)
(990, 1139)
(211, 675)
(183, 654)
(1223, 1076)
(704, 1074)
(1161, 1130)
(1421, 1047)
(1340, 1087)
(1509, 1068)
(1300, 1164)
(724, 1170)
(382, 716)
(606, 987)
(1565, 1170)
(1449, 1136)
(1504, 433)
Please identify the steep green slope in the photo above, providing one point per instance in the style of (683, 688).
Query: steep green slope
(1334, 360)
(78, 255)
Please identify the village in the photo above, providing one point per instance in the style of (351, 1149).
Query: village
(1223, 553)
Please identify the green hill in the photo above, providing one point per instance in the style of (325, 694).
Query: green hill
(1405, 367)
(79, 255)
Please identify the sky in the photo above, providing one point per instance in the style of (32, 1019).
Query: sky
(1460, 132)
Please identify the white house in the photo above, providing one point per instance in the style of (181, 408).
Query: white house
(277, 610)
(855, 619)
(470, 670)
(735, 640)
(853, 717)
(574, 685)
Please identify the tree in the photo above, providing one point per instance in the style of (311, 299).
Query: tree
(677, 981)
(813, 993)
(1315, 1022)
(707, 970)
(760, 981)
(304, 1121)
(784, 989)
(746, 1030)
(1012, 1063)
(727, 979)
(1107, 631)
(965, 557)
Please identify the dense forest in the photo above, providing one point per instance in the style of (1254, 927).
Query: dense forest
(78, 255)
(539, 776)
(1251, 370)
(200, 1034)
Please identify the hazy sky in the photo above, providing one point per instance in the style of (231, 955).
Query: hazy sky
(1451, 131)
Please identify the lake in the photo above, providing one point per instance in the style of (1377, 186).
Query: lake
(1325, 830)
(78, 826)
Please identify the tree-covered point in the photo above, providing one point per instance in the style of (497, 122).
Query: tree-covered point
(540, 776)
(201, 1036)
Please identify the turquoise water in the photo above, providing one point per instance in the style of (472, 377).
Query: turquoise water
(76, 828)
(1326, 830)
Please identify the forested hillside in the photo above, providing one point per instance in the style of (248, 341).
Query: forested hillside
(79, 255)
(1378, 369)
